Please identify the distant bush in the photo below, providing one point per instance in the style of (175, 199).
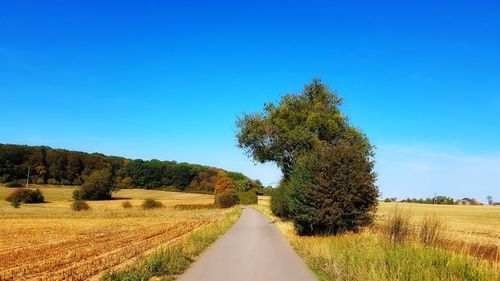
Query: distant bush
(13, 184)
(431, 230)
(26, 196)
(40, 181)
(79, 205)
(76, 195)
(151, 204)
(77, 182)
(16, 203)
(98, 186)
(227, 198)
(398, 227)
(248, 198)
(126, 205)
(36, 197)
(440, 200)
(52, 181)
(65, 182)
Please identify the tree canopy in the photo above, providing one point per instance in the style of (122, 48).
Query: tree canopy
(328, 183)
(297, 124)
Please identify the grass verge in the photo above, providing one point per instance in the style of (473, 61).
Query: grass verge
(168, 262)
(370, 256)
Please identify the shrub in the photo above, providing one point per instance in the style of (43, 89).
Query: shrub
(76, 195)
(126, 205)
(80, 205)
(279, 198)
(65, 182)
(248, 198)
(52, 181)
(36, 197)
(98, 186)
(40, 181)
(26, 196)
(13, 184)
(227, 198)
(332, 190)
(397, 228)
(77, 182)
(431, 230)
(16, 203)
(21, 194)
(151, 204)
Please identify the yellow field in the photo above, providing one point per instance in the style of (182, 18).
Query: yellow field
(471, 224)
(369, 256)
(50, 242)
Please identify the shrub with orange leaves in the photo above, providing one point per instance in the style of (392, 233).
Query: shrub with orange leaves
(224, 188)
(222, 182)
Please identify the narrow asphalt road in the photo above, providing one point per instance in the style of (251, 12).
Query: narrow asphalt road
(252, 250)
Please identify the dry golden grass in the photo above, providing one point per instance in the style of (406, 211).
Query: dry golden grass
(473, 230)
(471, 224)
(50, 242)
(470, 228)
(370, 256)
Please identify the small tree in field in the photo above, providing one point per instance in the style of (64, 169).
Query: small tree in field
(98, 186)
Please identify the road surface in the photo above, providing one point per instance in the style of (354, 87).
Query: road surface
(252, 250)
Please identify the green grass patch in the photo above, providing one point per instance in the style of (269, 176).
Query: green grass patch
(168, 262)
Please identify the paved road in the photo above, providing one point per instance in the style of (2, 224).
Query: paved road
(252, 250)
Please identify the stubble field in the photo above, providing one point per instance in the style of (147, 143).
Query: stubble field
(50, 242)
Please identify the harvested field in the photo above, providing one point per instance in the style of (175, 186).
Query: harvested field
(470, 224)
(51, 242)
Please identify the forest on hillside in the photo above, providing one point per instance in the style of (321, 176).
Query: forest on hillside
(65, 167)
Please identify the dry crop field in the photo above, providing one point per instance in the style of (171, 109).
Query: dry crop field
(49, 241)
(476, 227)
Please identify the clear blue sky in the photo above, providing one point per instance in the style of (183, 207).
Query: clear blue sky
(167, 79)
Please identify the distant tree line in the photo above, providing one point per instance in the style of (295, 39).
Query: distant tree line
(65, 167)
(438, 200)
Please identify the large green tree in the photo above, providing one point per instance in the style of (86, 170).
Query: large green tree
(328, 181)
(298, 123)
